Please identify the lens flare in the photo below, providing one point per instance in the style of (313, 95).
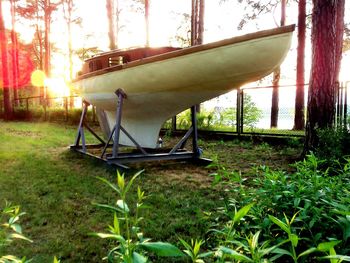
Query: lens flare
(38, 78)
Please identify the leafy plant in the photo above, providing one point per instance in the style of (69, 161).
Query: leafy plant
(292, 238)
(10, 230)
(316, 202)
(193, 250)
(333, 145)
(328, 248)
(131, 245)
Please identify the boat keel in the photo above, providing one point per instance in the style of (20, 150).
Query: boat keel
(119, 157)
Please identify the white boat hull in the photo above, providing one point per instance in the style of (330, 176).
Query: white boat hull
(158, 90)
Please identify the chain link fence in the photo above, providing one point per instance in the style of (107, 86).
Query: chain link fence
(242, 111)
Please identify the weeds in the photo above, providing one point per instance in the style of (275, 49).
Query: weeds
(10, 230)
(316, 202)
(131, 246)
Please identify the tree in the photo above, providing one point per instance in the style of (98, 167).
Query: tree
(68, 9)
(197, 22)
(5, 71)
(197, 26)
(39, 13)
(147, 21)
(110, 17)
(299, 120)
(276, 77)
(14, 41)
(327, 39)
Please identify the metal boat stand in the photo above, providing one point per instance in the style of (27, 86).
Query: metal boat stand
(140, 154)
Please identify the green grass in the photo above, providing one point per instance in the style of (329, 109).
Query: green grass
(56, 188)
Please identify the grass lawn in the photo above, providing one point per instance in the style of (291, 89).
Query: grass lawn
(56, 188)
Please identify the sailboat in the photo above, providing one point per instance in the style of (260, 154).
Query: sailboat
(159, 83)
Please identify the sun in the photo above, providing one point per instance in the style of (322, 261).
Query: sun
(38, 78)
(57, 87)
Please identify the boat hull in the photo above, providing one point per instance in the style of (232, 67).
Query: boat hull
(161, 88)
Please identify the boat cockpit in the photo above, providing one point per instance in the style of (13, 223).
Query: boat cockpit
(120, 57)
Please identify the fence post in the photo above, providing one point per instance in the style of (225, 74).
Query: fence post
(66, 107)
(239, 112)
(93, 113)
(173, 124)
(27, 105)
(1, 107)
(45, 104)
(346, 103)
(242, 111)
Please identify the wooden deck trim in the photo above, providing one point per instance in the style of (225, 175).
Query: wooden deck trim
(190, 50)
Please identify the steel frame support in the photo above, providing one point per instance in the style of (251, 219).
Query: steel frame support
(81, 134)
(119, 158)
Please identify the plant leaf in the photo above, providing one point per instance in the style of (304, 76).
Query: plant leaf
(234, 254)
(242, 212)
(121, 181)
(326, 246)
(206, 254)
(294, 239)
(132, 181)
(282, 225)
(255, 240)
(123, 206)
(307, 252)
(111, 236)
(113, 186)
(117, 209)
(17, 228)
(138, 258)
(162, 249)
(340, 257)
(281, 251)
(116, 227)
(19, 236)
(187, 246)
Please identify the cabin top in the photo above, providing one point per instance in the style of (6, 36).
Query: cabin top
(120, 57)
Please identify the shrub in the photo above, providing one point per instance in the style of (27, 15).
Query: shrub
(333, 145)
(296, 212)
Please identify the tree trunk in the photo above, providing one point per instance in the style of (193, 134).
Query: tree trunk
(197, 22)
(275, 98)
(339, 37)
(8, 111)
(67, 6)
(321, 97)
(70, 50)
(48, 8)
(147, 21)
(117, 22)
(276, 78)
(47, 47)
(299, 119)
(110, 9)
(14, 41)
(197, 26)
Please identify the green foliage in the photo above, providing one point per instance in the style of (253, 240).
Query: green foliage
(10, 230)
(317, 204)
(221, 118)
(130, 244)
(204, 119)
(224, 175)
(193, 250)
(333, 145)
(251, 114)
(72, 116)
